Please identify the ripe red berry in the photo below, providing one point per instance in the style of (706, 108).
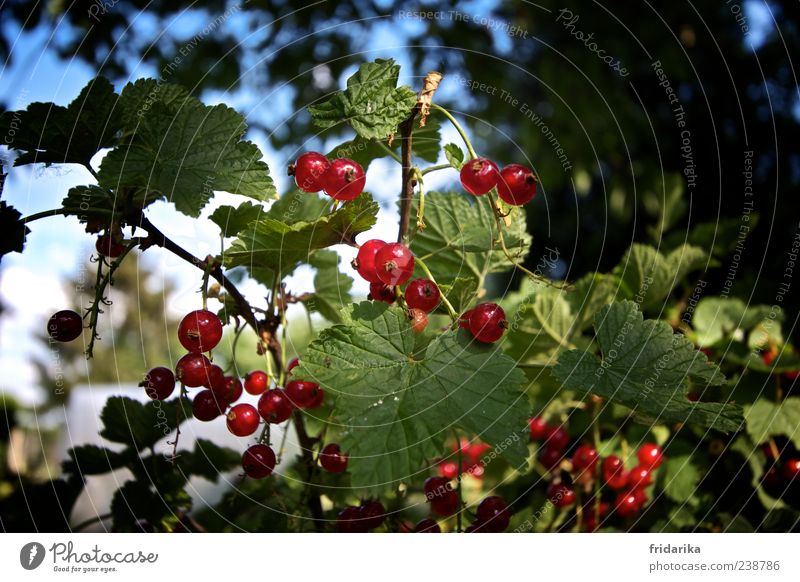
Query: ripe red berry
(193, 370)
(200, 331)
(318, 401)
(373, 513)
(639, 477)
(308, 171)
(517, 185)
(206, 406)
(344, 180)
(215, 379)
(538, 428)
(479, 175)
(445, 504)
(419, 320)
(256, 382)
(364, 262)
(422, 294)
(242, 419)
(448, 469)
(302, 393)
(159, 384)
(629, 504)
(436, 487)
(427, 525)
(550, 458)
(231, 390)
(258, 461)
(493, 514)
(557, 437)
(791, 469)
(394, 264)
(333, 459)
(349, 520)
(274, 406)
(584, 459)
(65, 325)
(614, 473)
(292, 365)
(463, 321)
(487, 322)
(560, 495)
(381, 292)
(108, 246)
(649, 455)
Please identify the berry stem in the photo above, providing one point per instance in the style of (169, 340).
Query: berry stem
(421, 208)
(430, 169)
(66, 212)
(389, 152)
(450, 309)
(459, 129)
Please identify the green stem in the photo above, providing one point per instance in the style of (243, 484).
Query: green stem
(67, 211)
(450, 309)
(421, 208)
(430, 169)
(458, 127)
(389, 151)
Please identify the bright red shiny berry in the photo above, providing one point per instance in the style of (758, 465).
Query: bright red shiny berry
(427, 525)
(318, 401)
(274, 406)
(487, 322)
(422, 294)
(517, 185)
(200, 331)
(394, 264)
(584, 459)
(258, 461)
(364, 262)
(639, 477)
(493, 514)
(419, 320)
(381, 292)
(231, 391)
(293, 363)
(557, 437)
(65, 325)
(629, 504)
(108, 246)
(193, 370)
(333, 459)
(256, 382)
(344, 180)
(463, 321)
(538, 427)
(614, 473)
(791, 469)
(560, 495)
(159, 384)
(649, 455)
(243, 419)
(479, 175)
(301, 393)
(308, 171)
(206, 406)
(215, 379)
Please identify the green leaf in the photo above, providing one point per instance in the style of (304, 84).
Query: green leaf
(372, 103)
(716, 318)
(359, 149)
(461, 293)
(139, 97)
(93, 460)
(232, 220)
(680, 476)
(645, 366)
(186, 155)
(13, 229)
(208, 460)
(331, 287)
(298, 206)
(52, 134)
(271, 246)
(136, 502)
(765, 419)
(140, 425)
(398, 409)
(454, 155)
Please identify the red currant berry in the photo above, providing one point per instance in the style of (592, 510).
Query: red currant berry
(200, 331)
(448, 469)
(394, 264)
(463, 321)
(318, 401)
(517, 185)
(557, 437)
(256, 382)
(159, 384)
(649, 455)
(493, 514)
(629, 504)
(550, 458)
(206, 406)
(427, 525)
(216, 379)
(772, 481)
(274, 406)
(614, 473)
(65, 326)
(381, 292)
(639, 477)
(258, 461)
(302, 393)
(193, 370)
(108, 246)
(538, 428)
(446, 504)
(791, 469)
(560, 495)
(373, 513)
(308, 171)
(333, 459)
(436, 487)
(293, 363)
(231, 391)
(349, 521)
(419, 320)
(487, 322)
(344, 180)
(422, 294)
(364, 262)
(243, 420)
(584, 459)
(479, 175)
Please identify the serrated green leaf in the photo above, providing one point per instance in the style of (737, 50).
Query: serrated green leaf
(372, 103)
(186, 155)
(715, 318)
(461, 293)
(331, 287)
(208, 460)
(231, 220)
(454, 155)
(52, 134)
(93, 460)
(140, 425)
(397, 409)
(297, 206)
(645, 366)
(680, 476)
(765, 419)
(270, 245)
(139, 97)
(136, 503)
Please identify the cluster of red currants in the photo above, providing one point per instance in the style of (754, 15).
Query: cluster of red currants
(362, 518)
(341, 179)
(782, 477)
(516, 184)
(492, 515)
(470, 453)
